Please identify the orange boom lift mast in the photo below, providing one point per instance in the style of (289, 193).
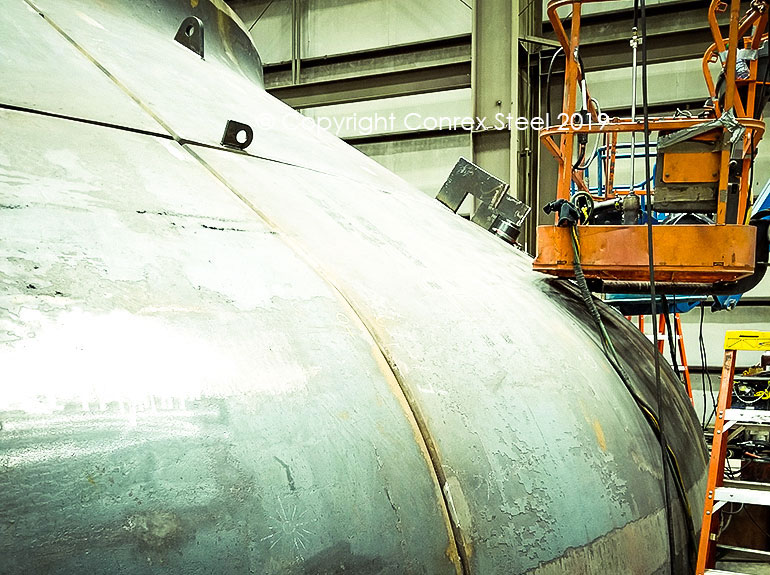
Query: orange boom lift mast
(703, 167)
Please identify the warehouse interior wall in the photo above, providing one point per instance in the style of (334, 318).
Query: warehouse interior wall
(340, 26)
(382, 36)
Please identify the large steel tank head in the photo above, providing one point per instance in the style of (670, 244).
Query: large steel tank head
(283, 358)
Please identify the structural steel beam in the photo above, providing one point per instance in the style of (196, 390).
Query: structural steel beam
(375, 86)
(662, 19)
(660, 49)
(296, 40)
(675, 32)
(400, 70)
(445, 63)
(395, 58)
(494, 84)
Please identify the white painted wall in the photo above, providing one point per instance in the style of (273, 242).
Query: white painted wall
(339, 26)
(424, 163)
(272, 33)
(604, 7)
(667, 82)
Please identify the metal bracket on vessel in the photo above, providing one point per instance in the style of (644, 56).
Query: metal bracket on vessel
(190, 34)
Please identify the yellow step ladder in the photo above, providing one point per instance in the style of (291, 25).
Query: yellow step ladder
(719, 491)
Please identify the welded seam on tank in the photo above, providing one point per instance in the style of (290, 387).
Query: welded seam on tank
(174, 135)
(416, 412)
(595, 552)
(169, 136)
(429, 444)
(47, 114)
(427, 439)
(104, 70)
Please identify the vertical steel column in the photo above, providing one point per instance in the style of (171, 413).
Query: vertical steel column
(530, 17)
(495, 87)
(296, 40)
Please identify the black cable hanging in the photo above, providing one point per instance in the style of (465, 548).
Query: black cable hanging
(670, 461)
(548, 85)
(667, 313)
(640, 14)
(705, 372)
(570, 215)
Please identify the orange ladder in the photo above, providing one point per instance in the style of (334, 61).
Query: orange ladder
(720, 491)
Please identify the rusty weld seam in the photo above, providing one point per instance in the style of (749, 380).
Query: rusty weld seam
(419, 418)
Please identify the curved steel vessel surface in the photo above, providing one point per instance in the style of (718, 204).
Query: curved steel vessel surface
(284, 360)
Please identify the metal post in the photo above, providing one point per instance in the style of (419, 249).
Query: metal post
(732, 51)
(567, 144)
(296, 40)
(635, 41)
(495, 87)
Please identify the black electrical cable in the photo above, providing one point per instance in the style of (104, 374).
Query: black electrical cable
(703, 368)
(729, 470)
(560, 50)
(607, 345)
(640, 17)
(751, 180)
(671, 344)
(582, 149)
(670, 460)
(548, 85)
(261, 14)
(704, 364)
(581, 156)
(758, 526)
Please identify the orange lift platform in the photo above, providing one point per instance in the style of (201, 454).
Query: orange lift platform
(703, 167)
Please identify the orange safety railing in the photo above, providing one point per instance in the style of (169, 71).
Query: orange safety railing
(728, 122)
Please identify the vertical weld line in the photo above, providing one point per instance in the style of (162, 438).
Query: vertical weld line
(416, 412)
(427, 439)
(422, 426)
